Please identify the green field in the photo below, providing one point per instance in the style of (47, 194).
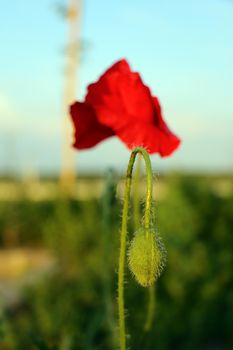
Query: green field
(59, 258)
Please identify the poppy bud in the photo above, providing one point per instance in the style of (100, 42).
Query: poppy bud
(145, 257)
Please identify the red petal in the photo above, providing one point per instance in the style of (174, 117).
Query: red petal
(120, 94)
(88, 130)
(119, 103)
(119, 66)
(149, 137)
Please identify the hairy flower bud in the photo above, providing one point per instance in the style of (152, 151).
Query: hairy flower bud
(145, 257)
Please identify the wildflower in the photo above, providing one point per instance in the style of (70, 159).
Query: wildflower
(120, 104)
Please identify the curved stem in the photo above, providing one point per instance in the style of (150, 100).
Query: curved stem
(136, 218)
(147, 220)
(136, 195)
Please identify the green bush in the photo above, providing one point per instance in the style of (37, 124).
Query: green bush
(68, 309)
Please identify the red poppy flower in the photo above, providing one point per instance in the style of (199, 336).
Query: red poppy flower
(120, 104)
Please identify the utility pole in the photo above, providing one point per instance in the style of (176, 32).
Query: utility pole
(73, 16)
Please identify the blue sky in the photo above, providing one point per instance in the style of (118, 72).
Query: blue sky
(183, 50)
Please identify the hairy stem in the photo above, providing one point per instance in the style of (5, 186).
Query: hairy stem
(136, 194)
(136, 216)
(123, 236)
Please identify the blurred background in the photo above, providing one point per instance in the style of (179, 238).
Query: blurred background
(60, 209)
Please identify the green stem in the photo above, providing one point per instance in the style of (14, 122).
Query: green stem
(151, 309)
(136, 216)
(136, 195)
(147, 220)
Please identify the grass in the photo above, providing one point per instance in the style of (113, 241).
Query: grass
(65, 307)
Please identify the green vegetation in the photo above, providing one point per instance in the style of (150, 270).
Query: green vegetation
(73, 305)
